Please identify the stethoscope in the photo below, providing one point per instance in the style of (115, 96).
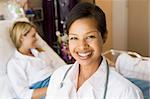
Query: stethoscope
(106, 82)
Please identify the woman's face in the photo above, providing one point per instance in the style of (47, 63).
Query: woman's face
(85, 41)
(29, 40)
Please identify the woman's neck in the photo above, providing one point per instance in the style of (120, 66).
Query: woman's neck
(85, 72)
(25, 51)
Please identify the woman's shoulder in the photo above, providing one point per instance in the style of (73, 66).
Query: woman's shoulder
(123, 85)
(13, 59)
(59, 73)
(118, 79)
(16, 61)
(16, 56)
(61, 70)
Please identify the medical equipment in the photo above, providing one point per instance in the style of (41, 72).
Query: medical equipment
(106, 82)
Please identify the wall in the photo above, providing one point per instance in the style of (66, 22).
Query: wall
(91, 1)
(1, 6)
(30, 3)
(138, 26)
(106, 5)
(119, 24)
(35, 3)
(149, 26)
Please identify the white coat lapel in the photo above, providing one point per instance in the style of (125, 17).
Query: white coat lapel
(88, 92)
(64, 91)
(98, 80)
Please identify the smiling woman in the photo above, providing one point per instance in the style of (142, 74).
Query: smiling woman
(85, 42)
(86, 27)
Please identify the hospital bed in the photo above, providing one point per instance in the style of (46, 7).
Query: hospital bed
(6, 50)
(132, 66)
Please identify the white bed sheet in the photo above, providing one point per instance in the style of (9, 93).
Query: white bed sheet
(129, 64)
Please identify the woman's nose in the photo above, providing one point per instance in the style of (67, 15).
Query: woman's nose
(35, 39)
(83, 45)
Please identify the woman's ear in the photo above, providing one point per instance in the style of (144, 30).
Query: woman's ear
(21, 39)
(105, 37)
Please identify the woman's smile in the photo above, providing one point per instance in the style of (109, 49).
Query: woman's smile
(85, 42)
(84, 55)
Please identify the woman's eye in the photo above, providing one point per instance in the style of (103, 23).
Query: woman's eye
(73, 38)
(91, 37)
(34, 35)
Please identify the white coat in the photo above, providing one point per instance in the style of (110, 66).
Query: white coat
(93, 88)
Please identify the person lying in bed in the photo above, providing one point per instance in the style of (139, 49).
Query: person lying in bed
(27, 70)
(90, 76)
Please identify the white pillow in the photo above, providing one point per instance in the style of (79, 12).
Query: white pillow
(133, 67)
(50, 55)
(6, 45)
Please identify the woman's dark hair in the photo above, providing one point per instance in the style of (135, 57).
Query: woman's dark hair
(88, 10)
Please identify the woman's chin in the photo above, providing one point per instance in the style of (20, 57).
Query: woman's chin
(84, 61)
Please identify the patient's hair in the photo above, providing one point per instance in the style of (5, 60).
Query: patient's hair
(88, 10)
(20, 28)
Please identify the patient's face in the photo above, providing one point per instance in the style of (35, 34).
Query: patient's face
(85, 41)
(29, 40)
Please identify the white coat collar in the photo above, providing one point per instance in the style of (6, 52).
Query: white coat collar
(95, 83)
(75, 68)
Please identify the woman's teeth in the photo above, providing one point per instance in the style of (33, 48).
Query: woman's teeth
(85, 55)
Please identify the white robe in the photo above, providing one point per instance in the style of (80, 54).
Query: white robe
(23, 71)
(93, 88)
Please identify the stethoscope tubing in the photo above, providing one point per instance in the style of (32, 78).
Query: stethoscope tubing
(107, 79)
(106, 83)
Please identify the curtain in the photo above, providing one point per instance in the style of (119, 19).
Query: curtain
(49, 22)
(55, 15)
